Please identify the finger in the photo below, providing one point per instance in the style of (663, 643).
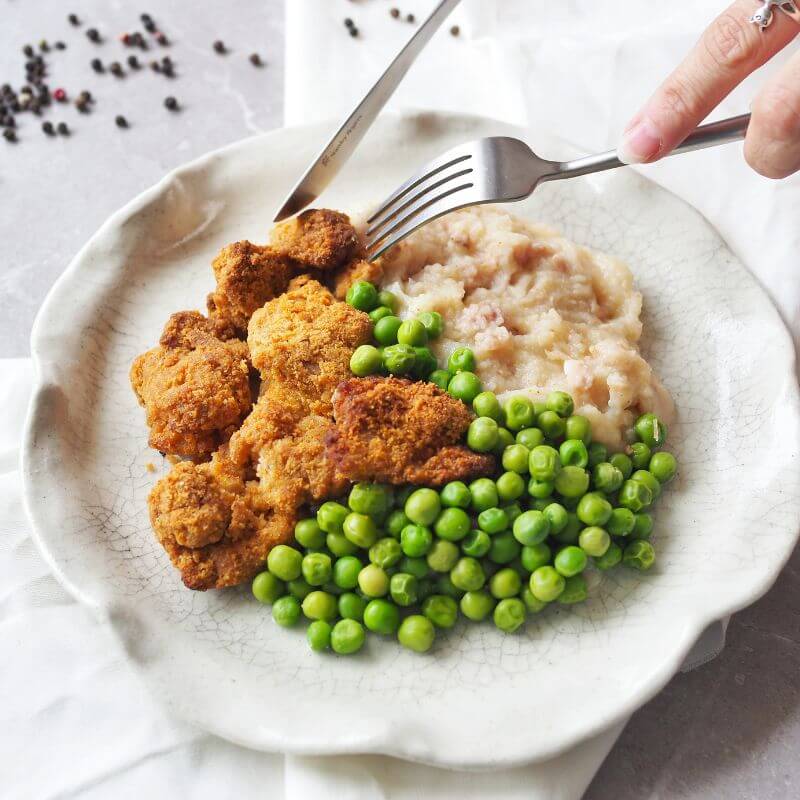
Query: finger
(728, 51)
(772, 147)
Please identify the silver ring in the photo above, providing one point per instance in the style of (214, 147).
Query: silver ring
(766, 12)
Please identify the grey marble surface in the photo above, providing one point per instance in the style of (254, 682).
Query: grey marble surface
(729, 729)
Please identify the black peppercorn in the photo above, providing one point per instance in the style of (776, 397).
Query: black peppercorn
(255, 60)
(348, 23)
(133, 62)
(28, 51)
(115, 68)
(161, 38)
(60, 46)
(97, 65)
(410, 18)
(394, 13)
(219, 46)
(44, 46)
(353, 31)
(73, 19)
(63, 129)
(171, 103)
(48, 128)
(93, 34)
(121, 121)
(9, 135)
(455, 30)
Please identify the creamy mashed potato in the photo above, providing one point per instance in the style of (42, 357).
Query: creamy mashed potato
(540, 312)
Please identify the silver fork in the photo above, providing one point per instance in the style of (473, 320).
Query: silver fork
(499, 169)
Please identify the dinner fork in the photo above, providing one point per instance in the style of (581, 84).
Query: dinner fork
(499, 169)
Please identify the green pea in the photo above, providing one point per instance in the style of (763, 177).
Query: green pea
(621, 522)
(286, 611)
(351, 606)
(504, 439)
(531, 528)
(477, 606)
(316, 568)
(570, 561)
(373, 499)
(515, 458)
(546, 584)
(510, 486)
(560, 403)
(299, 588)
(395, 522)
(607, 478)
(505, 583)
(362, 295)
(366, 360)
(340, 545)
(382, 617)
(318, 635)
(455, 495)
(513, 511)
(519, 413)
(331, 516)
(534, 556)
(308, 533)
(361, 530)
(380, 312)
(638, 554)
(572, 482)
(416, 633)
(267, 588)
(284, 562)
(412, 332)
(643, 526)
(552, 425)
(486, 404)
(541, 489)
(468, 575)
(404, 589)
(635, 496)
(453, 524)
(572, 452)
(440, 378)
(578, 427)
(425, 363)
(388, 299)
(623, 464)
(504, 549)
(347, 637)
(509, 614)
(462, 359)
(663, 466)
(345, 572)
(385, 553)
(594, 509)
(610, 558)
(476, 544)
(544, 463)
(442, 556)
(482, 435)
(574, 590)
(557, 516)
(373, 581)
(385, 330)
(640, 455)
(651, 430)
(570, 532)
(532, 604)
(597, 454)
(441, 610)
(649, 480)
(530, 438)
(434, 325)
(464, 386)
(399, 359)
(483, 494)
(493, 520)
(416, 566)
(319, 605)
(594, 541)
(423, 506)
(416, 540)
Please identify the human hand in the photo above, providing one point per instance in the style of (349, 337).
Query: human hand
(728, 51)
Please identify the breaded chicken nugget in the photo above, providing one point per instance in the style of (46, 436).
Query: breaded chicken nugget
(317, 238)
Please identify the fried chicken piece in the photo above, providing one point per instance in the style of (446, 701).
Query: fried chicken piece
(357, 270)
(248, 276)
(215, 527)
(397, 431)
(318, 238)
(195, 386)
(301, 343)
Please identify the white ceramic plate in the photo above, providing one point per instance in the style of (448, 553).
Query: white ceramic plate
(481, 698)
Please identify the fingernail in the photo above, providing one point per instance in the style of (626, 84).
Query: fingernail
(640, 144)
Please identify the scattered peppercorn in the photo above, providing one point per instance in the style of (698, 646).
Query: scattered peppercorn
(133, 62)
(28, 50)
(85, 96)
(125, 39)
(97, 65)
(60, 46)
(149, 25)
(145, 18)
(171, 103)
(48, 128)
(348, 23)
(155, 66)
(115, 68)
(9, 135)
(93, 35)
(255, 60)
(161, 38)
(353, 31)
(44, 46)
(121, 121)
(63, 129)
(60, 95)
(410, 18)
(455, 30)
(219, 47)
(73, 19)
(394, 13)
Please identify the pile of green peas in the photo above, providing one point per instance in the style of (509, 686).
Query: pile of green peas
(407, 561)
(401, 346)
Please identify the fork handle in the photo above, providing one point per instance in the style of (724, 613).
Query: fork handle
(711, 135)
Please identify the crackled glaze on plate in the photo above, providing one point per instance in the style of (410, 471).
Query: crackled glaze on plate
(481, 698)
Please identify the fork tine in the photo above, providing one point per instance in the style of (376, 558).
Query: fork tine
(427, 186)
(428, 211)
(452, 157)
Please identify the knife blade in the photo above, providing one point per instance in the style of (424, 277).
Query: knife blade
(339, 149)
